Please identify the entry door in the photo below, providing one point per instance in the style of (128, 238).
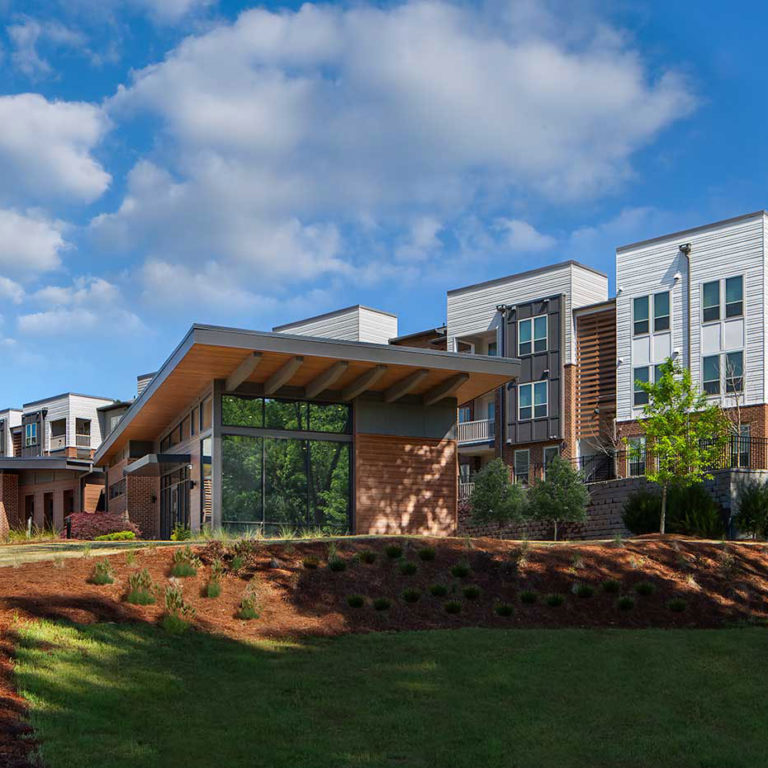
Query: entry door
(174, 507)
(48, 510)
(29, 509)
(69, 503)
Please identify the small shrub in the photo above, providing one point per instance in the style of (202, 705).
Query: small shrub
(411, 595)
(103, 573)
(213, 588)
(642, 511)
(130, 558)
(337, 564)
(117, 536)
(382, 603)
(496, 499)
(185, 563)
(559, 497)
(237, 563)
(355, 601)
(393, 551)
(644, 588)
(367, 556)
(427, 553)
(677, 605)
(611, 586)
(141, 588)
(178, 612)
(753, 508)
(625, 603)
(244, 548)
(504, 609)
(181, 533)
(59, 561)
(461, 570)
(453, 606)
(310, 562)
(583, 590)
(471, 592)
(407, 568)
(528, 596)
(554, 600)
(89, 525)
(250, 604)
(438, 590)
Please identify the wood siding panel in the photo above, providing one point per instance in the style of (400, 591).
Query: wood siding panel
(405, 485)
(596, 373)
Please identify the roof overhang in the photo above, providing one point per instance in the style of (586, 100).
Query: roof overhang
(21, 463)
(156, 464)
(309, 367)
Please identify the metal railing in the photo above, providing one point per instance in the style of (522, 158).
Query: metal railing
(83, 441)
(479, 431)
(465, 490)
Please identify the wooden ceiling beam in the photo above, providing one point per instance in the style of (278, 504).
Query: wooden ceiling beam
(325, 379)
(243, 371)
(363, 382)
(405, 385)
(445, 389)
(282, 376)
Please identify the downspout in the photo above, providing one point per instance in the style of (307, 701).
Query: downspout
(502, 310)
(685, 249)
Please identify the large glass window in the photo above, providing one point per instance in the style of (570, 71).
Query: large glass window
(711, 374)
(241, 482)
(242, 411)
(640, 315)
(710, 301)
(332, 417)
(293, 415)
(661, 311)
(641, 376)
(532, 335)
(206, 481)
(734, 296)
(734, 372)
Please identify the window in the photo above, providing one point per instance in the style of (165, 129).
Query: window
(242, 411)
(640, 315)
(711, 374)
(550, 453)
(532, 335)
(194, 420)
(492, 410)
(206, 414)
(636, 456)
(533, 400)
(522, 466)
(30, 434)
(641, 376)
(734, 296)
(465, 414)
(734, 372)
(657, 373)
(117, 489)
(661, 311)
(710, 301)
(493, 349)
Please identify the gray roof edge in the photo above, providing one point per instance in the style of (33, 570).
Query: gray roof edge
(65, 394)
(332, 313)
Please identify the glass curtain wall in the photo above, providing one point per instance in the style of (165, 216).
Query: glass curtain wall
(273, 478)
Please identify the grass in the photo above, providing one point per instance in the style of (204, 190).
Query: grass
(114, 695)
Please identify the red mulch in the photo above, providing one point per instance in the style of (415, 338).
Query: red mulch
(721, 584)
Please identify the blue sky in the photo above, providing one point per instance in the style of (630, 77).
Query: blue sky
(164, 162)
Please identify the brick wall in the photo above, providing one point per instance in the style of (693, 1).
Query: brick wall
(143, 504)
(9, 503)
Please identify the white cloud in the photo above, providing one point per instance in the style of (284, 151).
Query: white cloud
(10, 290)
(170, 11)
(30, 242)
(521, 236)
(26, 34)
(46, 149)
(90, 305)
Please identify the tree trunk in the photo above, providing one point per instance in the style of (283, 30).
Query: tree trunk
(555, 522)
(663, 521)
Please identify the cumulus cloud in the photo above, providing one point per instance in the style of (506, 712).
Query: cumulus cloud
(30, 242)
(89, 305)
(170, 11)
(46, 149)
(10, 290)
(521, 236)
(25, 36)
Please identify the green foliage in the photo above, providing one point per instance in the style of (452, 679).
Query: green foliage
(583, 590)
(684, 433)
(752, 498)
(237, 563)
(130, 558)
(453, 606)
(393, 551)
(213, 588)
(337, 564)
(641, 511)
(181, 533)
(178, 613)
(471, 592)
(117, 536)
(438, 590)
(367, 556)
(561, 496)
(677, 605)
(310, 562)
(504, 609)
(461, 570)
(645, 588)
(411, 595)
(407, 568)
(185, 563)
(625, 603)
(496, 499)
(612, 586)
(102, 573)
(427, 553)
(250, 603)
(355, 601)
(528, 596)
(382, 603)
(554, 600)
(141, 588)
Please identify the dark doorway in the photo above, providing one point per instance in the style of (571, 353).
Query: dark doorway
(29, 509)
(69, 502)
(174, 501)
(48, 510)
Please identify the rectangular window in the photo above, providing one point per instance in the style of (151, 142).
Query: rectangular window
(30, 434)
(465, 414)
(657, 373)
(636, 452)
(532, 335)
(734, 372)
(661, 311)
(525, 405)
(550, 453)
(206, 414)
(734, 296)
(539, 399)
(522, 466)
(194, 420)
(641, 375)
(117, 489)
(711, 374)
(640, 315)
(540, 334)
(330, 417)
(242, 411)
(493, 349)
(525, 338)
(710, 301)
(491, 410)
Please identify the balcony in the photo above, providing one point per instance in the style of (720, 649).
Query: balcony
(480, 431)
(57, 443)
(83, 441)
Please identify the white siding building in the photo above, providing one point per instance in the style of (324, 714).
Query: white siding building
(357, 323)
(698, 296)
(9, 418)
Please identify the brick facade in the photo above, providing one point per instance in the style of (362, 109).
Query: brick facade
(9, 503)
(143, 495)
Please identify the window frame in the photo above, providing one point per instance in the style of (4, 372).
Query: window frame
(534, 339)
(728, 390)
(30, 434)
(704, 381)
(518, 476)
(533, 386)
(636, 392)
(667, 316)
(549, 449)
(740, 301)
(647, 319)
(637, 468)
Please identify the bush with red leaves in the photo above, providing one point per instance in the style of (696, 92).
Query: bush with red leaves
(89, 525)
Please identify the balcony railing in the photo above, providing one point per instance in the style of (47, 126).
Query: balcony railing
(465, 490)
(58, 443)
(480, 431)
(83, 441)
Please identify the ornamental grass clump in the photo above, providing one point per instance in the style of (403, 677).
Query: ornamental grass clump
(504, 609)
(337, 564)
(250, 603)
(213, 587)
(438, 590)
(407, 568)
(644, 588)
(185, 563)
(427, 554)
(625, 603)
(382, 603)
(554, 600)
(583, 590)
(393, 551)
(411, 595)
(461, 570)
(178, 613)
(310, 562)
(355, 601)
(677, 605)
(102, 573)
(612, 586)
(367, 556)
(141, 588)
(528, 596)
(453, 607)
(472, 592)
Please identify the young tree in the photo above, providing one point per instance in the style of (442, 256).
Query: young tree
(496, 498)
(684, 434)
(560, 497)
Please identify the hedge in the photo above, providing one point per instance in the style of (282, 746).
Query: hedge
(89, 525)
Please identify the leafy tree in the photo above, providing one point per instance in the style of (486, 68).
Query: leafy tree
(561, 496)
(496, 498)
(684, 434)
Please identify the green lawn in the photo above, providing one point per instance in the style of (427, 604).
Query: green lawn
(109, 695)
